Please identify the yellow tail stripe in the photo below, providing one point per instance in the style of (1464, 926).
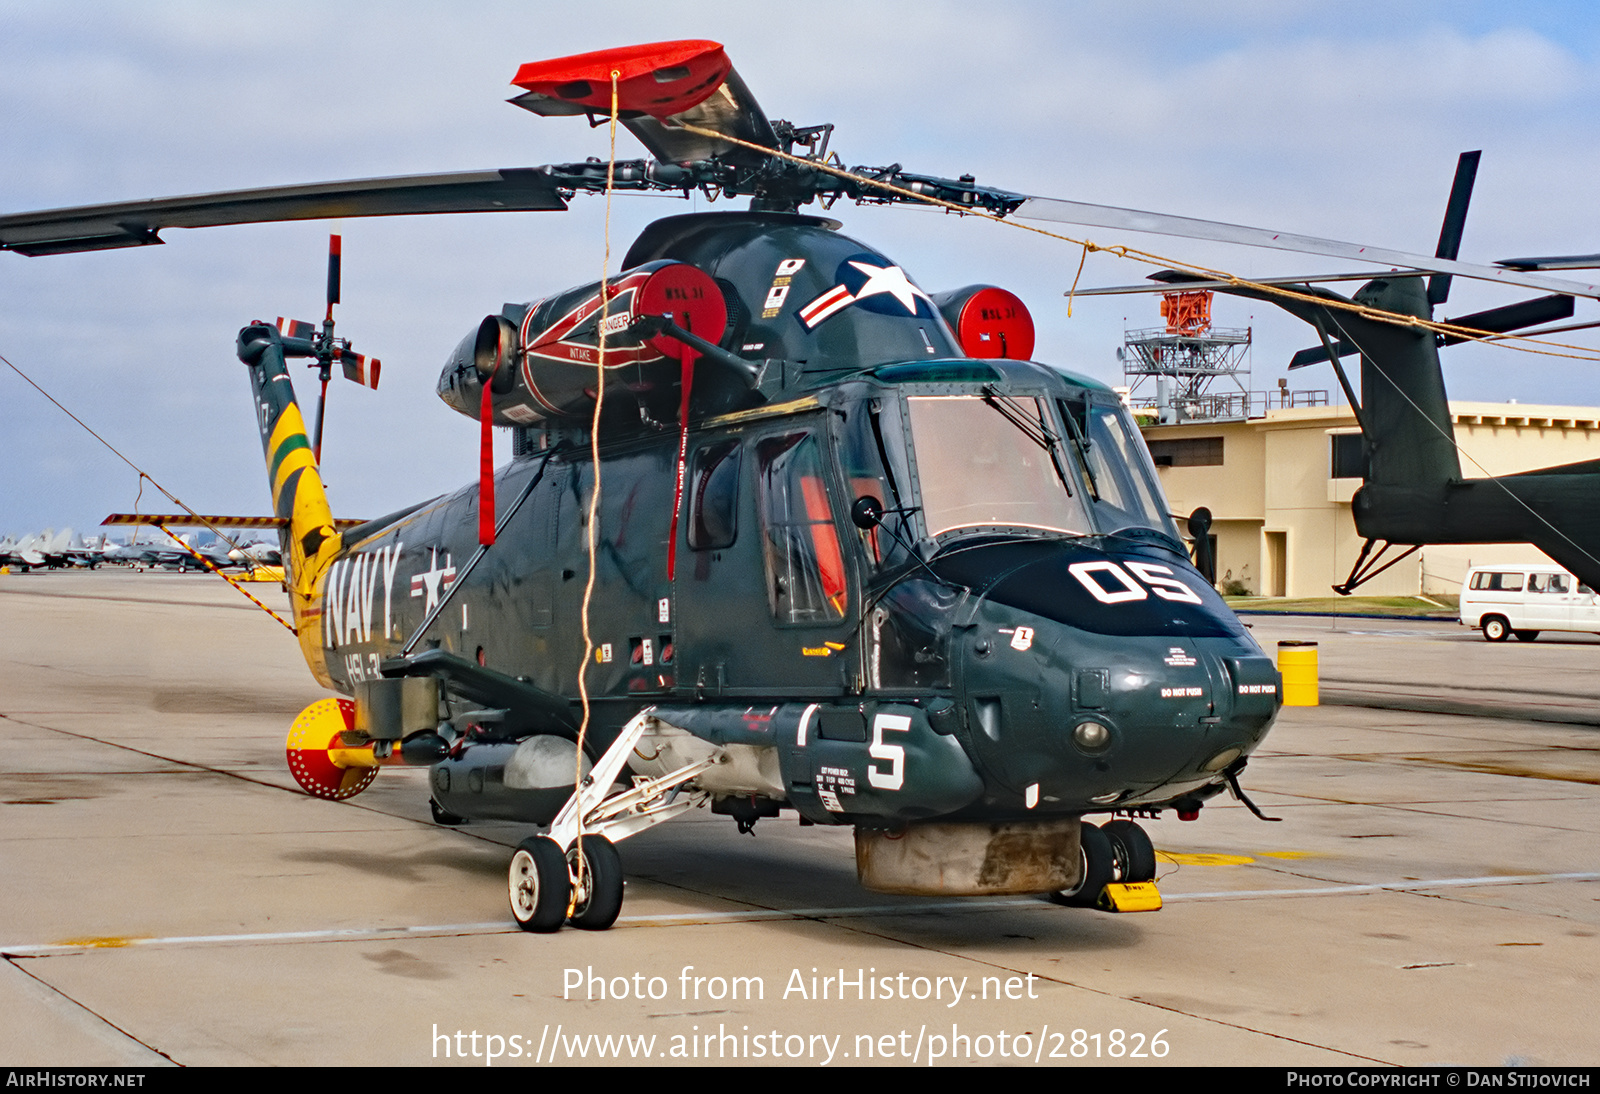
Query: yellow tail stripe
(288, 422)
(300, 457)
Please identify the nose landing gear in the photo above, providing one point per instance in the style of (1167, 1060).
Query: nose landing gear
(1135, 855)
(1118, 854)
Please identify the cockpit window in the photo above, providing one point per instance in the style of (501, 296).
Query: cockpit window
(1120, 479)
(870, 444)
(984, 464)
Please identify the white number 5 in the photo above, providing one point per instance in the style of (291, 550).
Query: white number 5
(1168, 588)
(895, 754)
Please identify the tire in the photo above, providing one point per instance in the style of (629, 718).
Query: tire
(1134, 854)
(1525, 636)
(539, 885)
(600, 893)
(1098, 864)
(1496, 628)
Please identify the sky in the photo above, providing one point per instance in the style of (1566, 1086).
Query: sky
(1328, 119)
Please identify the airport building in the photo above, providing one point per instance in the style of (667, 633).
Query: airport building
(1279, 489)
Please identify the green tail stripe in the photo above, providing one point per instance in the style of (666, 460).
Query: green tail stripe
(290, 443)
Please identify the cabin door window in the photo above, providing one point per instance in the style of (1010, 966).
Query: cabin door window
(806, 578)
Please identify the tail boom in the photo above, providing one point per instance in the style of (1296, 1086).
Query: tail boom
(311, 542)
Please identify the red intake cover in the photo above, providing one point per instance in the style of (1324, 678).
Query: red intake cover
(662, 79)
(690, 298)
(995, 323)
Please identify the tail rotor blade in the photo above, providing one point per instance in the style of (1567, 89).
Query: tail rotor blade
(334, 249)
(360, 368)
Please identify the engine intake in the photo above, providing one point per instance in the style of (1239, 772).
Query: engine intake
(540, 360)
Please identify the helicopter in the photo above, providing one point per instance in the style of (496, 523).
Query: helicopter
(838, 545)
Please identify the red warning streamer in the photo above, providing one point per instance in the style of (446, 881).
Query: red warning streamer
(486, 509)
(683, 453)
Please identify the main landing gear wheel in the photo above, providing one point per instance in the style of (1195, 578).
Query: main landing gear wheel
(1135, 855)
(1496, 629)
(1099, 864)
(539, 885)
(598, 899)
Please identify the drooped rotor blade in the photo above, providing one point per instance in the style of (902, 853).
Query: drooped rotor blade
(1455, 218)
(136, 223)
(1526, 313)
(659, 87)
(1164, 281)
(1552, 262)
(1135, 220)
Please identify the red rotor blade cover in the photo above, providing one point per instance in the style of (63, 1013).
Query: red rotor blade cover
(660, 79)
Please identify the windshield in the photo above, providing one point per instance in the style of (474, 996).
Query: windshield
(1125, 487)
(984, 464)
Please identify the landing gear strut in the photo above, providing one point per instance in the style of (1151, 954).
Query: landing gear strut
(552, 881)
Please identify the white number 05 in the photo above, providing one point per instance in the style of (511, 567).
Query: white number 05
(1166, 587)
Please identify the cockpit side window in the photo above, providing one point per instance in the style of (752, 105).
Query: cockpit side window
(714, 496)
(863, 446)
(806, 579)
(1117, 467)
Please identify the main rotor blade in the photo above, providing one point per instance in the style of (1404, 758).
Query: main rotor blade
(1455, 218)
(731, 110)
(1552, 262)
(1135, 220)
(1510, 317)
(1165, 281)
(136, 223)
(1501, 320)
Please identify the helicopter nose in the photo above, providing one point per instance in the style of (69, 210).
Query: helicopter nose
(1182, 712)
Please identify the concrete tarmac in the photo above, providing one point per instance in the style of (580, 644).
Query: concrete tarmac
(1430, 895)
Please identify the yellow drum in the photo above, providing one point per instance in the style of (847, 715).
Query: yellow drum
(1297, 661)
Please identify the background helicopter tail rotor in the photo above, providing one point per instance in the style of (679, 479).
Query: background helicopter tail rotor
(1502, 320)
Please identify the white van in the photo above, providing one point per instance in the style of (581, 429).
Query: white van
(1523, 600)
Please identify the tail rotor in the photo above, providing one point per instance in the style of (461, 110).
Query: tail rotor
(325, 348)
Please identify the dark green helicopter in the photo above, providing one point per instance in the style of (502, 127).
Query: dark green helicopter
(1413, 491)
(855, 555)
